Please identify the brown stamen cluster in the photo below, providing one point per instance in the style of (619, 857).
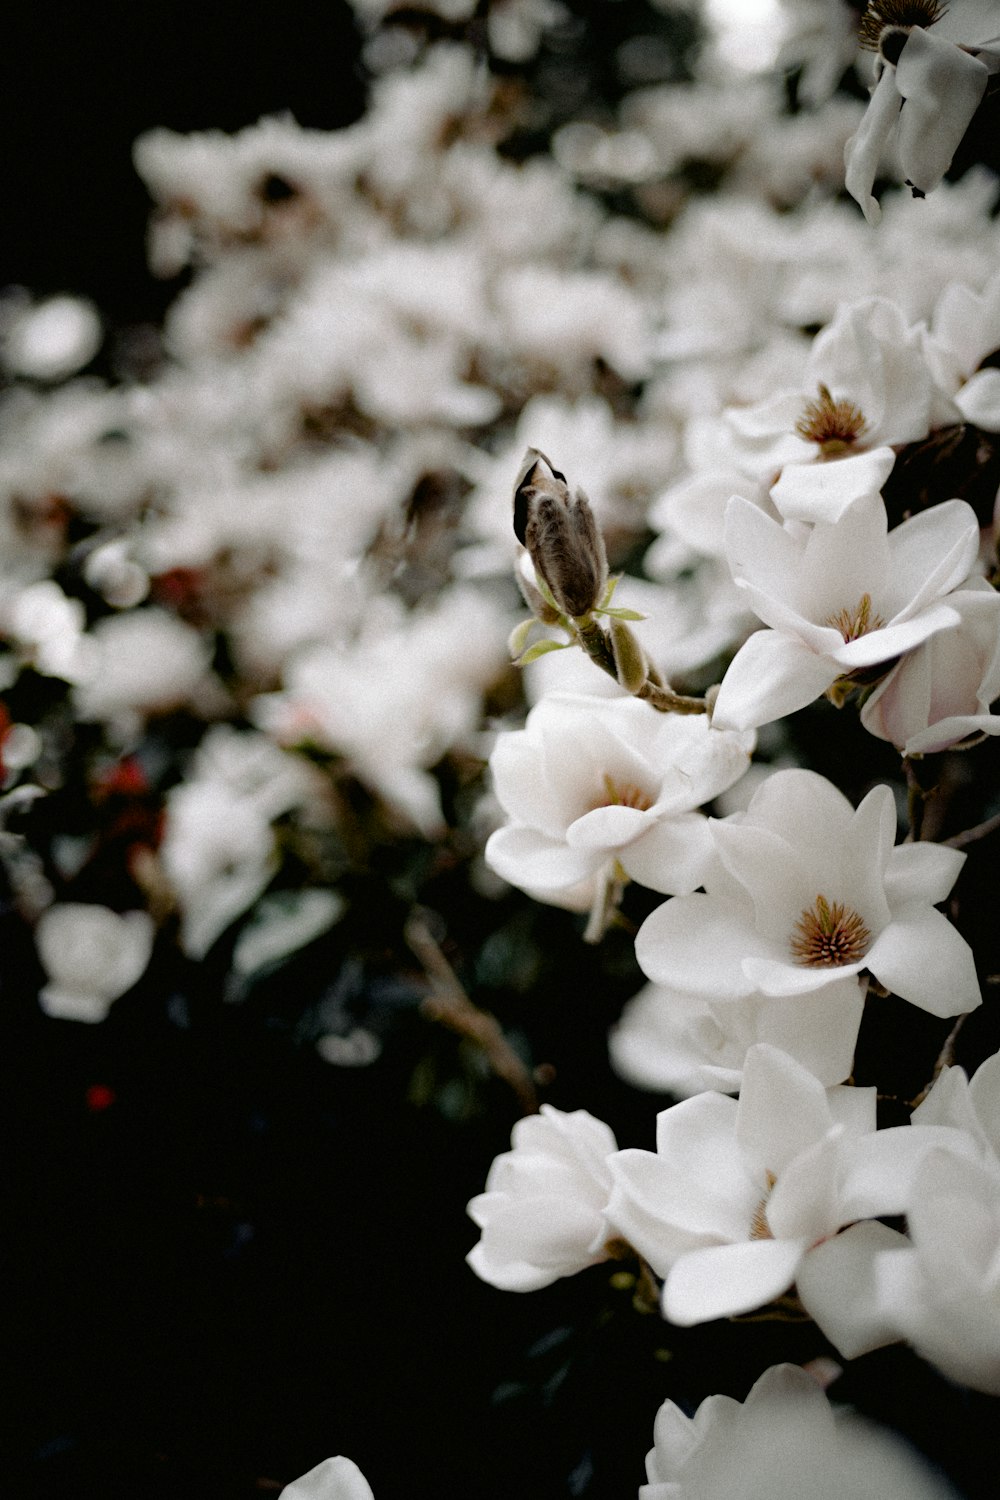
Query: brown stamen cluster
(625, 796)
(856, 622)
(834, 425)
(760, 1229)
(903, 13)
(829, 934)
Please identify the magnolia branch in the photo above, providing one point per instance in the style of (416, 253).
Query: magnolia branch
(450, 1005)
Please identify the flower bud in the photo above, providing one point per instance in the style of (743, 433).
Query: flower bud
(561, 535)
(630, 659)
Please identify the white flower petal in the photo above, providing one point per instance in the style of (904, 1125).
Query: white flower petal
(663, 1211)
(822, 491)
(806, 1202)
(942, 86)
(608, 827)
(879, 1169)
(979, 400)
(896, 638)
(777, 978)
(782, 1110)
(724, 1280)
(334, 1479)
(697, 943)
(931, 554)
(838, 1287)
(526, 857)
(865, 149)
(921, 958)
(921, 872)
(672, 856)
(771, 675)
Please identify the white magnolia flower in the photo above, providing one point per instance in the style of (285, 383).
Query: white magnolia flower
(941, 693)
(91, 955)
(542, 1214)
(219, 855)
(593, 781)
(784, 1441)
(333, 1479)
(741, 1193)
(887, 1286)
(964, 330)
(943, 1294)
(219, 850)
(48, 628)
(935, 61)
(841, 597)
(806, 891)
(140, 662)
(682, 1044)
(972, 1105)
(396, 698)
(49, 340)
(867, 386)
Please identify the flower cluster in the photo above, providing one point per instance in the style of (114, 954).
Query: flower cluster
(266, 681)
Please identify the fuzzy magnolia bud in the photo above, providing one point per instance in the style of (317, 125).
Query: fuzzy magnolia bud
(561, 535)
(630, 659)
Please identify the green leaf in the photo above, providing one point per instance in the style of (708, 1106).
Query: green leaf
(622, 614)
(542, 648)
(518, 639)
(609, 591)
(545, 591)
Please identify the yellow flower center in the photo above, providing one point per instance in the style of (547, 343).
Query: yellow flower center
(829, 934)
(856, 622)
(835, 425)
(902, 13)
(760, 1229)
(625, 794)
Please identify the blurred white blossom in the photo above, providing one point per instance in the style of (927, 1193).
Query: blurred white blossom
(783, 1439)
(333, 1479)
(91, 955)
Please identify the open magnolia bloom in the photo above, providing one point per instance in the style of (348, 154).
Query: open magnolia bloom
(963, 333)
(784, 1441)
(940, 694)
(939, 1288)
(739, 1194)
(333, 1479)
(840, 598)
(942, 1293)
(805, 891)
(935, 61)
(972, 1105)
(681, 1044)
(542, 1214)
(594, 781)
(867, 386)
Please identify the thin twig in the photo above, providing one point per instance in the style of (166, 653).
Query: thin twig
(450, 1005)
(654, 690)
(669, 702)
(974, 834)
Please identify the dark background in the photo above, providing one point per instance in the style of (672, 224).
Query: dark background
(78, 83)
(224, 1260)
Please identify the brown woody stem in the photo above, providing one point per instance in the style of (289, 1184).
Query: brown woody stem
(450, 1005)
